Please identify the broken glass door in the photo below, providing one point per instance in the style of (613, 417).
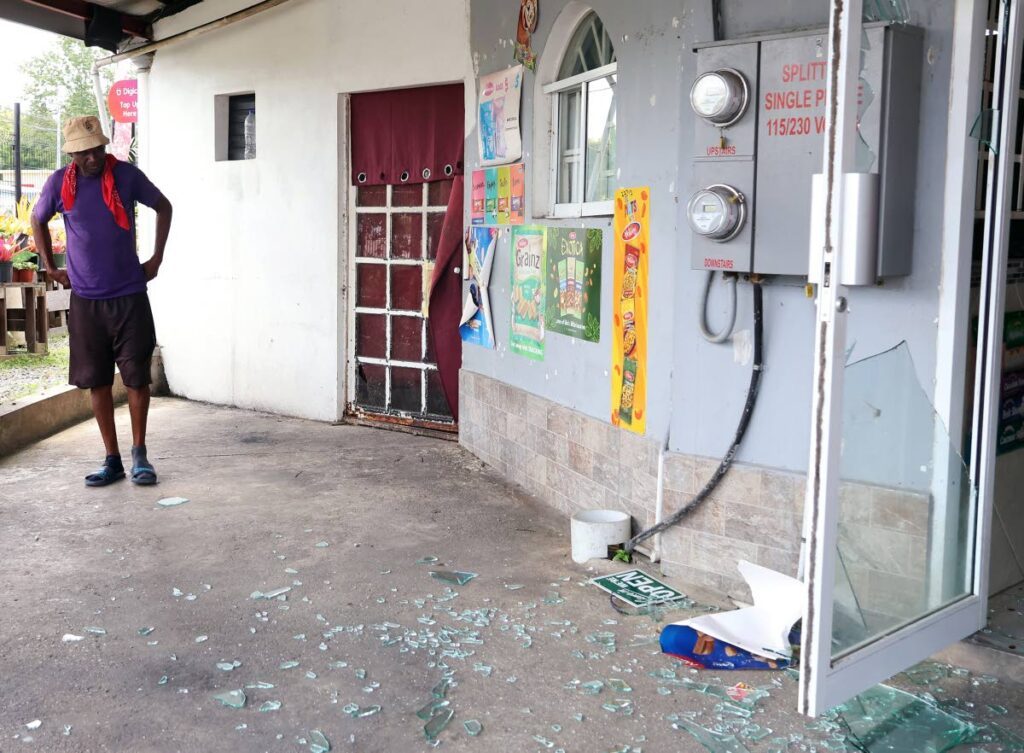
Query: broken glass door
(395, 232)
(896, 518)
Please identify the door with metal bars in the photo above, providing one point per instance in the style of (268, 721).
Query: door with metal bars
(394, 232)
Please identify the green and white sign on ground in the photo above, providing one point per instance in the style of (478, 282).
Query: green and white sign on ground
(637, 588)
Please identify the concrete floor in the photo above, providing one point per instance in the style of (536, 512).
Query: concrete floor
(265, 492)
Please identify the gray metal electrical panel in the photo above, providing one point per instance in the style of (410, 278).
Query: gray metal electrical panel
(770, 153)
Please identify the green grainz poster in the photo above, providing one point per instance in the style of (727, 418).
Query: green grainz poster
(572, 270)
(527, 265)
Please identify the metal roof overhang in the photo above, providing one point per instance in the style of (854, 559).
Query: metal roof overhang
(69, 17)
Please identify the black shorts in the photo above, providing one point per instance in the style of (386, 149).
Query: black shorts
(108, 331)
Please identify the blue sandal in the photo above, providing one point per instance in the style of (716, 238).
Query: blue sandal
(143, 474)
(105, 475)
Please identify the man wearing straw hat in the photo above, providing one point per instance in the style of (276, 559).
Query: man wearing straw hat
(110, 321)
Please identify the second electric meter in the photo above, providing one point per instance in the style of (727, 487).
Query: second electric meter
(717, 212)
(720, 97)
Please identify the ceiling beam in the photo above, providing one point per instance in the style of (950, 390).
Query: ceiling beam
(82, 10)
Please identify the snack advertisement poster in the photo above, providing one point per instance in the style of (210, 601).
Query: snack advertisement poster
(573, 270)
(498, 116)
(499, 195)
(629, 297)
(527, 265)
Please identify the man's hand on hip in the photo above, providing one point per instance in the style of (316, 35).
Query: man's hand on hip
(61, 276)
(151, 268)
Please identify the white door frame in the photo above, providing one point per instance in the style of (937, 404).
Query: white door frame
(826, 682)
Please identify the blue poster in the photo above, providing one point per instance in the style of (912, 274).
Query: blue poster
(475, 326)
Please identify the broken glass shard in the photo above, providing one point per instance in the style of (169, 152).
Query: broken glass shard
(259, 685)
(544, 741)
(437, 723)
(35, 724)
(234, 699)
(318, 743)
(270, 706)
(257, 595)
(321, 545)
(885, 718)
(146, 630)
(591, 688)
(288, 665)
(619, 706)
(202, 638)
(712, 740)
(619, 685)
(441, 689)
(177, 592)
(733, 710)
(428, 560)
(740, 693)
(310, 675)
(472, 727)
(67, 730)
(449, 576)
(432, 708)
(171, 501)
(70, 638)
(95, 631)
(225, 666)
(357, 712)
(553, 598)
(162, 680)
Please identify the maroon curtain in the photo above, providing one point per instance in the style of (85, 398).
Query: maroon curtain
(445, 306)
(407, 135)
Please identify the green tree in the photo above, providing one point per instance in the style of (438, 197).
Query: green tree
(60, 86)
(62, 74)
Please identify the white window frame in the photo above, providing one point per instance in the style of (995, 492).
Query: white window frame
(552, 91)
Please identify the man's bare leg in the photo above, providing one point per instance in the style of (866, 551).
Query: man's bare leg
(143, 472)
(138, 407)
(103, 410)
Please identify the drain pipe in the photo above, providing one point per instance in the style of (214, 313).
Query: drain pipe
(220, 23)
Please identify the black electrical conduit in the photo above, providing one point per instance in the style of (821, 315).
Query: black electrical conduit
(741, 430)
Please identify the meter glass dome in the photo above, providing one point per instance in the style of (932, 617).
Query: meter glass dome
(720, 97)
(716, 212)
(709, 96)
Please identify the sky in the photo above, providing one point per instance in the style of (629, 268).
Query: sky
(18, 44)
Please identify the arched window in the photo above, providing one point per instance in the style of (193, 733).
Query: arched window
(583, 123)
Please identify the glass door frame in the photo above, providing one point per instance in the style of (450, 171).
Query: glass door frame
(825, 681)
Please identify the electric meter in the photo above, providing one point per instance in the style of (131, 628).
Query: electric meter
(717, 212)
(720, 97)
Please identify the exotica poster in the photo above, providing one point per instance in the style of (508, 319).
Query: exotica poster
(527, 265)
(629, 294)
(572, 264)
(498, 116)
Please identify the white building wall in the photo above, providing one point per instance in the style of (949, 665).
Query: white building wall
(249, 304)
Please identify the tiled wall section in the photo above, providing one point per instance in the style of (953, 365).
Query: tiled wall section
(574, 462)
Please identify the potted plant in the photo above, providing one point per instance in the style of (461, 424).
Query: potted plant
(6, 260)
(24, 268)
(59, 249)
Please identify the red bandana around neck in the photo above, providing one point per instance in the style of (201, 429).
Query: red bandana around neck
(69, 187)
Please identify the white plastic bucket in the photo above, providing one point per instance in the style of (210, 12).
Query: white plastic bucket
(593, 531)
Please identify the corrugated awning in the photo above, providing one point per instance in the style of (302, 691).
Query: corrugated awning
(105, 23)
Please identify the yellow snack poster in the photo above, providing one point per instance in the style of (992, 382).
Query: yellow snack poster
(629, 303)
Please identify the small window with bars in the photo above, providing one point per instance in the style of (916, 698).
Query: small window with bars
(235, 126)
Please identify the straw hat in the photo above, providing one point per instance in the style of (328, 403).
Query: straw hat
(83, 133)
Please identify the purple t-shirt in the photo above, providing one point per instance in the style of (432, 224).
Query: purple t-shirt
(102, 260)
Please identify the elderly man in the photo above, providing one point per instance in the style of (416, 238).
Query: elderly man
(110, 320)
